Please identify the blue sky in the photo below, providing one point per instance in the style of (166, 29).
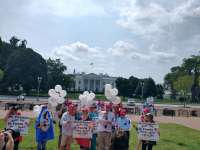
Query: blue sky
(121, 37)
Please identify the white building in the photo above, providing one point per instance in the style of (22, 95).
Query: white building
(93, 82)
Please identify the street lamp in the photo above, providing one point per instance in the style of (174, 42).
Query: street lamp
(39, 79)
(142, 85)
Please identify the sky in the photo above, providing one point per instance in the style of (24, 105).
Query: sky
(142, 38)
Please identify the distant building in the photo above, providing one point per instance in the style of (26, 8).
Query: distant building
(93, 82)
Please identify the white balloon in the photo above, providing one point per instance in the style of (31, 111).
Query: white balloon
(37, 109)
(60, 100)
(52, 101)
(85, 93)
(58, 88)
(108, 86)
(89, 102)
(63, 93)
(116, 100)
(92, 96)
(108, 94)
(81, 97)
(51, 92)
(114, 92)
(55, 96)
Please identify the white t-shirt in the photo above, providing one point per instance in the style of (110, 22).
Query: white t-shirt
(67, 124)
(105, 122)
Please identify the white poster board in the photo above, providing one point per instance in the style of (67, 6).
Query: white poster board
(148, 131)
(150, 100)
(82, 129)
(20, 123)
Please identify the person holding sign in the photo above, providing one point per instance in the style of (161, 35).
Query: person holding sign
(44, 128)
(67, 127)
(148, 144)
(85, 142)
(93, 115)
(14, 112)
(124, 124)
(106, 120)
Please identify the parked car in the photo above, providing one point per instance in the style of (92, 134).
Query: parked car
(21, 97)
(131, 102)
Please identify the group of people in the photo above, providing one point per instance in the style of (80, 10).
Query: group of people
(109, 124)
(106, 120)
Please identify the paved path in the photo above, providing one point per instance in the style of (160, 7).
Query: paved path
(191, 122)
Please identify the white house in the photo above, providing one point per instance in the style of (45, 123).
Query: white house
(92, 82)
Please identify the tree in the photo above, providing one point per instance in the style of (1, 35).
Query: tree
(133, 82)
(1, 75)
(1, 42)
(159, 91)
(68, 82)
(138, 90)
(122, 85)
(14, 41)
(23, 44)
(149, 88)
(183, 84)
(192, 67)
(23, 67)
(55, 72)
(5, 50)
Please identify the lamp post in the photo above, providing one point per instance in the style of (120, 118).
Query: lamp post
(39, 79)
(142, 86)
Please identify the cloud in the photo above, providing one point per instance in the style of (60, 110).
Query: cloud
(114, 60)
(74, 50)
(122, 38)
(154, 17)
(65, 8)
(129, 50)
(121, 48)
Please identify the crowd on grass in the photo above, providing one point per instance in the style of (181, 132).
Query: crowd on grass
(109, 124)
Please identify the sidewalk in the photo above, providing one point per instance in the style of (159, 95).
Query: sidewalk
(191, 122)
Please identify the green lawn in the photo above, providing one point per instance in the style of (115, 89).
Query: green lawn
(173, 137)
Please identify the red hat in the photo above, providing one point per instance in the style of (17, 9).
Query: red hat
(68, 102)
(71, 107)
(122, 112)
(146, 110)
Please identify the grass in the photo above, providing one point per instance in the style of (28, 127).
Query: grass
(173, 137)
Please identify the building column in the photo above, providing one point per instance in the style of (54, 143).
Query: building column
(88, 85)
(94, 86)
(100, 86)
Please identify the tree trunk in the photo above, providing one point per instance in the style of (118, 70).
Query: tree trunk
(195, 90)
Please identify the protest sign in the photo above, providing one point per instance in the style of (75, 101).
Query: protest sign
(82, 129)
(20, 123)
(150, 100)
(148, 131)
